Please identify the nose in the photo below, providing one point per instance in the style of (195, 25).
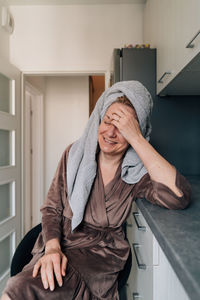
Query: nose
(111, 131)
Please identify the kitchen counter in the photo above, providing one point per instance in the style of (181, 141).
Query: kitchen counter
(178, 233)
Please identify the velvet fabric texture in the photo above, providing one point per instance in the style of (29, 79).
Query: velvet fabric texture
(97, 249)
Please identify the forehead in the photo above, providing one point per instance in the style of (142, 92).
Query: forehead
(114, 106)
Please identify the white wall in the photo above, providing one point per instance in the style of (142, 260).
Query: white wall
(72, 37)
(4, 36)
(69, 38)
(66, 114)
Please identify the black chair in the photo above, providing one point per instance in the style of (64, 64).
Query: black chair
(22, 256)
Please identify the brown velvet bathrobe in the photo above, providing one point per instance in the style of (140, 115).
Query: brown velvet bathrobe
(97, 250)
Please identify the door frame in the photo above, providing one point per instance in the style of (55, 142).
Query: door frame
(23, 124)
(33, 153)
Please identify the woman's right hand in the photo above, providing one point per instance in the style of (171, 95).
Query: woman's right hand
(54, 262)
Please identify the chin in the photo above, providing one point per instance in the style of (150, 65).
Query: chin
(105, 147)
(108, 151)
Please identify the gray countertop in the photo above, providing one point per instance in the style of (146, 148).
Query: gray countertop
(178, 233)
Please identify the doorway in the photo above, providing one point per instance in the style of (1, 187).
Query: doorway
(33, 155)
(66, 109)
(96, 88)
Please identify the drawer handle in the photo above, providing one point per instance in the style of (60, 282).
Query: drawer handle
(136, 296)
(166, 73)
(140, 227)
(136, 247)
(190, 45)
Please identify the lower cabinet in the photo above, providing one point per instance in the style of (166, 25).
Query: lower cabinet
(151, 276)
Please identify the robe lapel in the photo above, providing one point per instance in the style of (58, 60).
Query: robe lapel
(102, 204)
(112, 185)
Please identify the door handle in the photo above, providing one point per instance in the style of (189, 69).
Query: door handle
(166, 73)
(190, 45)
(136, 296)
(140, 227)
(140, 265)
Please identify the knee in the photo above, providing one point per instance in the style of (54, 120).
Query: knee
(5, 297)
(16, 285)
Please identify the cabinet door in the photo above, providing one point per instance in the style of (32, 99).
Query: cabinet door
(166, 284)
(140, 233)
(165, 40)
(140, 282)
(184, 19)
(143, 278)
(185, 41)
(186, 28)
(169, 26)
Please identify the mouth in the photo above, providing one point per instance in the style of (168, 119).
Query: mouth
(109, 141)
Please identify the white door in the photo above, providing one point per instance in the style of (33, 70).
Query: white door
(33, 155)
(10, 166)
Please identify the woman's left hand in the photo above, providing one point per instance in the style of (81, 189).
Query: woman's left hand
(125, 119)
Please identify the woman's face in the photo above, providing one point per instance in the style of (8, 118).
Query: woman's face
(111, 141)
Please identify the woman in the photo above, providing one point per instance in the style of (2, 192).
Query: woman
(82, 248)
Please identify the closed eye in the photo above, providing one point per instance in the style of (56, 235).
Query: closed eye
(107, 123)
(107, 120)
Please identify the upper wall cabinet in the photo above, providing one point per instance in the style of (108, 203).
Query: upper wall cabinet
(173, 27)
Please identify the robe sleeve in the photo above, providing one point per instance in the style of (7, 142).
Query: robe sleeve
(160, 194)
(52, 209)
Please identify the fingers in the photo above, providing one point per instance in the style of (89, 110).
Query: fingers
(57, 270)
(54, 263)
(36, 268)
(128, 127)
(124, 111)
(116, 117)
(115, 123)
(44, 277)
(64, 265)
(49, 275)
(46, 280)
(116, 114)
(122, 118)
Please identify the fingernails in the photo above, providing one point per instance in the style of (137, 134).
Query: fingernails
(51, 288)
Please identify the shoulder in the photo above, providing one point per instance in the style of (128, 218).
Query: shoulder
(66, 153)
(61, 168)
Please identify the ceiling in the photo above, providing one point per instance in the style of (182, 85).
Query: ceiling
(72, 2)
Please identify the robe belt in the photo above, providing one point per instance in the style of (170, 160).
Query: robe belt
(88, 227)
(105, 233)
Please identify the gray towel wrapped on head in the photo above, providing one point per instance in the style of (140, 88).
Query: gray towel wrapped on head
(82, 165)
